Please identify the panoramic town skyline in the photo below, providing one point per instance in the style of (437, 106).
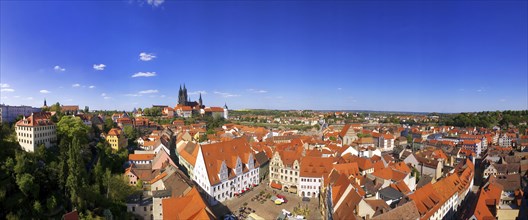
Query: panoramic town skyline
(419, 57)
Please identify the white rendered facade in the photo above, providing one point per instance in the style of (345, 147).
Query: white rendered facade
(228, 186)
(31, 134)
(309, 186)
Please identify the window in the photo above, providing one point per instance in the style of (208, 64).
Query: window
(133, 209)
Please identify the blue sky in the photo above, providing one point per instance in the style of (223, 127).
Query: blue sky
(403, 56)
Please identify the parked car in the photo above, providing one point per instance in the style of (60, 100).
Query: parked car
(230, 217)
(282, 197)
(305, 199)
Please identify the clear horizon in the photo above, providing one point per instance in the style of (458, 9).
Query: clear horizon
(445, 57)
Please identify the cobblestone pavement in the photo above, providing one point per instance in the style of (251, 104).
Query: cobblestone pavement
(266, 209)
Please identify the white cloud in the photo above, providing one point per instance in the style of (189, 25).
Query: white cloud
(148, 91)
(76, 85)
(99, 66)
(44, 91)
(339, 89)
(107, 97)
(144, 74)
(163, 96)
(133, 95)
(7, 90)
(59, 69)
(29, 98)
(502, 100)
(103, 94)
(198, 92)
(225, 94)
(257, 91)
(16, 96)
(91, 87)
(146, 56)
(155, 3)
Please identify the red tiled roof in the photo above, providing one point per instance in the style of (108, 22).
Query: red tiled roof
(69, 108)
(348, 169)
(183, 108)
(191, 206)
(316, 166)
(36, 119)
(487, 196)
(214, 109)
(427, 201)
(73, 215)
(141, 157)
(228, 152)
(115, 132)
(401, 186)
(344, 130)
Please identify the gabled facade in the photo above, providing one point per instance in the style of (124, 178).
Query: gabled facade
(312, 172)
(116, 138)
(347, 135)
(225, 169)
(285, 165)
(35, 130)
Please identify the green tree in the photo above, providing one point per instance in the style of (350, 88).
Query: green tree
(108, 124)
(55, 107)
(130, 132)
(76, 174)
(19, 117)
(203, 138)
(409, 139)
(70, 127)
(51, 202)
(37, 208)
(118, 188)
(140, 184)
(26, 184)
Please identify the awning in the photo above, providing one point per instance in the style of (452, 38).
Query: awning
(276, 185)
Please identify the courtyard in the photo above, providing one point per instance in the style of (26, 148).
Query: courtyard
(258, 201)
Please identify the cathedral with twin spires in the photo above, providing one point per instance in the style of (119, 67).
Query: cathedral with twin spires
(184, 100)
(185, 106)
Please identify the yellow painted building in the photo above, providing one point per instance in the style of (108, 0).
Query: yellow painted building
(116, 138)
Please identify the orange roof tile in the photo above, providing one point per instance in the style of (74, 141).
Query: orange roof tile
(316, 166)
(427, 201)
(141, 157)
(400, 166)
(115, 132)
(344, 130)
(191, 206)
(401, 186)
(228, 152)
(189, 151)
(348, 169)
(36, 119)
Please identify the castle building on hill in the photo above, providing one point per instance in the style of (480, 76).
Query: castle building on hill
(184, 100)
(186, 107)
